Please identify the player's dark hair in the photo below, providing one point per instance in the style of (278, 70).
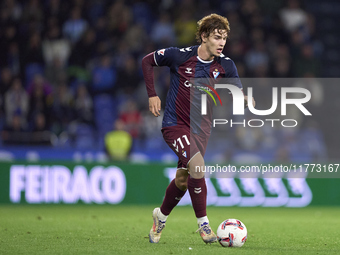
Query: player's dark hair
(208, 24)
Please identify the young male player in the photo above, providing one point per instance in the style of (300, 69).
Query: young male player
(202, 61)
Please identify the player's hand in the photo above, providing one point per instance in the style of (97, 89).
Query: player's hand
(155, 105)
(246, 101)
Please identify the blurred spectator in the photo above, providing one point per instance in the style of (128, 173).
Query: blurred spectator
(14, 132)
(142, 14)
(270, 7)
(104, 76)
(134, 32)
(101, 29)
(185, 28)
(163, 33)
(119, 18)
(40, 124)
(84, 50)
(39, 82)
(14, 59)
(281, 62)
(33, 11)
(40, 134)
(150, 124)
(95, 10)
(8, 35)
(256, 20)
(306, 62)
(5, 80)
(16, 102)
(56, 73)
(131, 118)
(128, 79)
(63, 106)
(281, 68)
(33, 52)
(2, 113)
(296, 42)
(236, 51)
(248, 138)
(293, 17)
(83, 105)
(13, 8)
(276, 33)
(16, 124)
(257, 35)
(56, 8)
(237, 29)
(41, 99)
(247, 10)
(122, 54)
(55, 46)
(118, 142)
(257, 57)
(75, 26)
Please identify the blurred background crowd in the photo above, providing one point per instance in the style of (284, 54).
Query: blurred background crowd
(71, 69)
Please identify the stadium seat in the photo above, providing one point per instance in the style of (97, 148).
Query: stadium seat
(85, 136)
(105, 112)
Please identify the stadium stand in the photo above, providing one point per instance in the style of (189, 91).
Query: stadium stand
(101, 44)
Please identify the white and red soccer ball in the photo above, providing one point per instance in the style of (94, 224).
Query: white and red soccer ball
(232, 233)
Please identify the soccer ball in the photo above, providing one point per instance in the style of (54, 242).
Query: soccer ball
(232, 233)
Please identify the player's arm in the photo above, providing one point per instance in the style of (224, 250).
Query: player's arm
(163, 57)
(148, 63)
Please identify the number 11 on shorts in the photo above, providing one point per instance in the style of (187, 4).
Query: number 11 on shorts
(180, 142)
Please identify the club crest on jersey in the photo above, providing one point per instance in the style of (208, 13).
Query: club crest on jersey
(184, 153)
(161, 52)
(216, 73)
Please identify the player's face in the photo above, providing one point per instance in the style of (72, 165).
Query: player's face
(215, 42)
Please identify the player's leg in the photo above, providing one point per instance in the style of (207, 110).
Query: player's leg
(175, 191)
(173, 194)
(181, 179)
(177, 187)
(198, 193)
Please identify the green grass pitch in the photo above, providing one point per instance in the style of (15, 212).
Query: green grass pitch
(105, 229)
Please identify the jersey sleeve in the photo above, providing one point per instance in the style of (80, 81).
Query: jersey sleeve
(231, 72)
(166, 57)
